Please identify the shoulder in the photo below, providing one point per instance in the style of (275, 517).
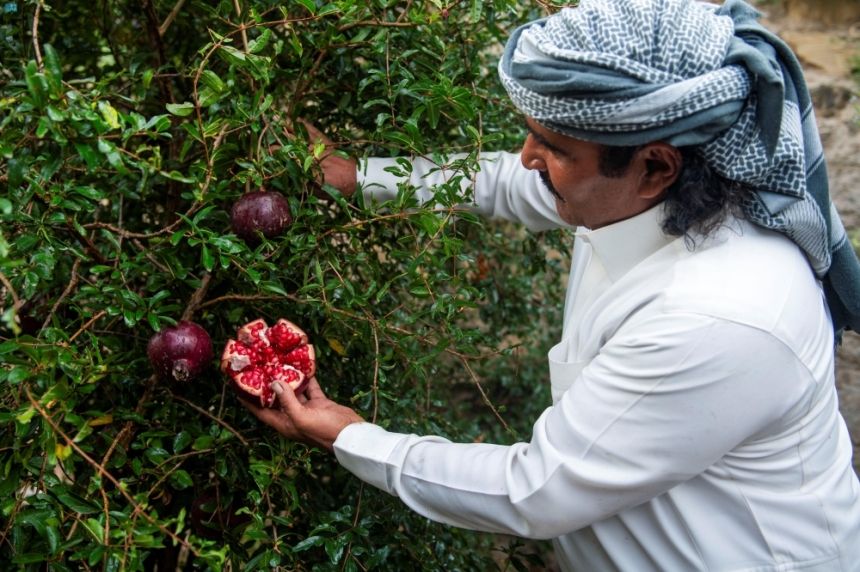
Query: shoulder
(752, 277)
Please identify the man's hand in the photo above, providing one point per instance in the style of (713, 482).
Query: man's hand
(337, 171)
(311, 417)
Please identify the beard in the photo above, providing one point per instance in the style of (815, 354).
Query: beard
(544, 177)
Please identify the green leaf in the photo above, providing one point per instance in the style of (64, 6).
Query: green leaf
(36, 84)
(233, 56)
(53, 69)
(259, 44)
(110, 115)
(181, 479)
(211, 80)
(308, 542)
(180, 109)
(181, 441)
(75, 502)
(207, 259)
(95, 528)
(310, 5)
(90, 193)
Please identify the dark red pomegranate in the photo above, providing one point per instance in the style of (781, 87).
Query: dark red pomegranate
(262, 355)
(260, 212)
(181, 352)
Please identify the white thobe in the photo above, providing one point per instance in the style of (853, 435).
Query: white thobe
(694, 423)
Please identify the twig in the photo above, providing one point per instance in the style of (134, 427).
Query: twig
(150, 257)
(35, 33)
(238, 298)
(162, 29)
(89, 323)
(144, 235)
(400, 215)
(16, 301)
(152, 28)
(485, 396)
(124, 436)
(197, 297)
(377, 24)
(375, 374)
(73, 282)
(217, 420)
(104, 472)
(88, 244)
(241, 25)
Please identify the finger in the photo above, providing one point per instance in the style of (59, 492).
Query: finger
(315, 134)
(288, 400)
(268, 416)
(313, 390)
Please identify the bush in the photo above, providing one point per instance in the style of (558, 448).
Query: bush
(127, 130)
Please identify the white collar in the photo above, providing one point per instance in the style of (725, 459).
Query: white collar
(622, 245)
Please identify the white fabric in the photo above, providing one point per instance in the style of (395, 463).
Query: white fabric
(695, 423)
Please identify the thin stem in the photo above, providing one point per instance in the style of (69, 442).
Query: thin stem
(162, 29)
(35, 32)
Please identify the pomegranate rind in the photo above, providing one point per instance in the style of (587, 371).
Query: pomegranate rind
(260, 212)
(254, 332)
(257, 359)
(181, 352)
(236, 357)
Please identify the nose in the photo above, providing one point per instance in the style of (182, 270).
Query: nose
(531, 156)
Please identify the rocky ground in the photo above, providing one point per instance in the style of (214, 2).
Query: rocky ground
(828, 50)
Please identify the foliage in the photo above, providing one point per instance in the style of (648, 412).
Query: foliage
(127, 129)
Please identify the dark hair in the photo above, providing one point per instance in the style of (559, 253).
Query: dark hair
(699, 199)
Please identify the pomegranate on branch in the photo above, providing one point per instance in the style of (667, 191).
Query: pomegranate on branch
(261, 212)
(262, 355)
(180, 352)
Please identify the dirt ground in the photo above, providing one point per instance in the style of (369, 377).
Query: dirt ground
(828, 49)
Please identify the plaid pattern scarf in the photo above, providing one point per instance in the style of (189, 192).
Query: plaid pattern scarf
(628, 72)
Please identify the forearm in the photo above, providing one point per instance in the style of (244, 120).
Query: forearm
(502, 188)
(645, 416)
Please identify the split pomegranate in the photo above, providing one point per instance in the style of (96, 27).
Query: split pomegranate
(260, 212)
(262, 355)
(181, 352)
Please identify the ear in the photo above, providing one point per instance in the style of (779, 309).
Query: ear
(662, 164)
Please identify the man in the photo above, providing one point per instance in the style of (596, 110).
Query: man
(694, 423)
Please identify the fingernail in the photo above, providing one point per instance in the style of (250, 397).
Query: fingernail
(277, 388)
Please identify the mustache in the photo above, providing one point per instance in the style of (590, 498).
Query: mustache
(544, 177)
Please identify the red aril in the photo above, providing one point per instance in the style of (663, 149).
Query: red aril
(262, 355)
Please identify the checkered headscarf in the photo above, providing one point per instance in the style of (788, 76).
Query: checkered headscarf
(627, 72)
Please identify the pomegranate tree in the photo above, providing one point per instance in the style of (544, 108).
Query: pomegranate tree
(261, 212)
(181, 352)
(262, 355)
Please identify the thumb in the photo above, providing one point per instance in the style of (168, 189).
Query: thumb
(287, 399)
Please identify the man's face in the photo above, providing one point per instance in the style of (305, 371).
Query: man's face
(569, 169)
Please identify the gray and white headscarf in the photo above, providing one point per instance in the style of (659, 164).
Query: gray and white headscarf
(628, 72)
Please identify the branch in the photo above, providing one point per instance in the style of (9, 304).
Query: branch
(241, 25)
(486, 397)
(71, 286)
(16, 301)
(197, 297)
(217, 420)
(35, 33)
(103, 472)
(162, 29)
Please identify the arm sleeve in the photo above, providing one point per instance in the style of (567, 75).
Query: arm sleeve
(657, 406)
(503, 188)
